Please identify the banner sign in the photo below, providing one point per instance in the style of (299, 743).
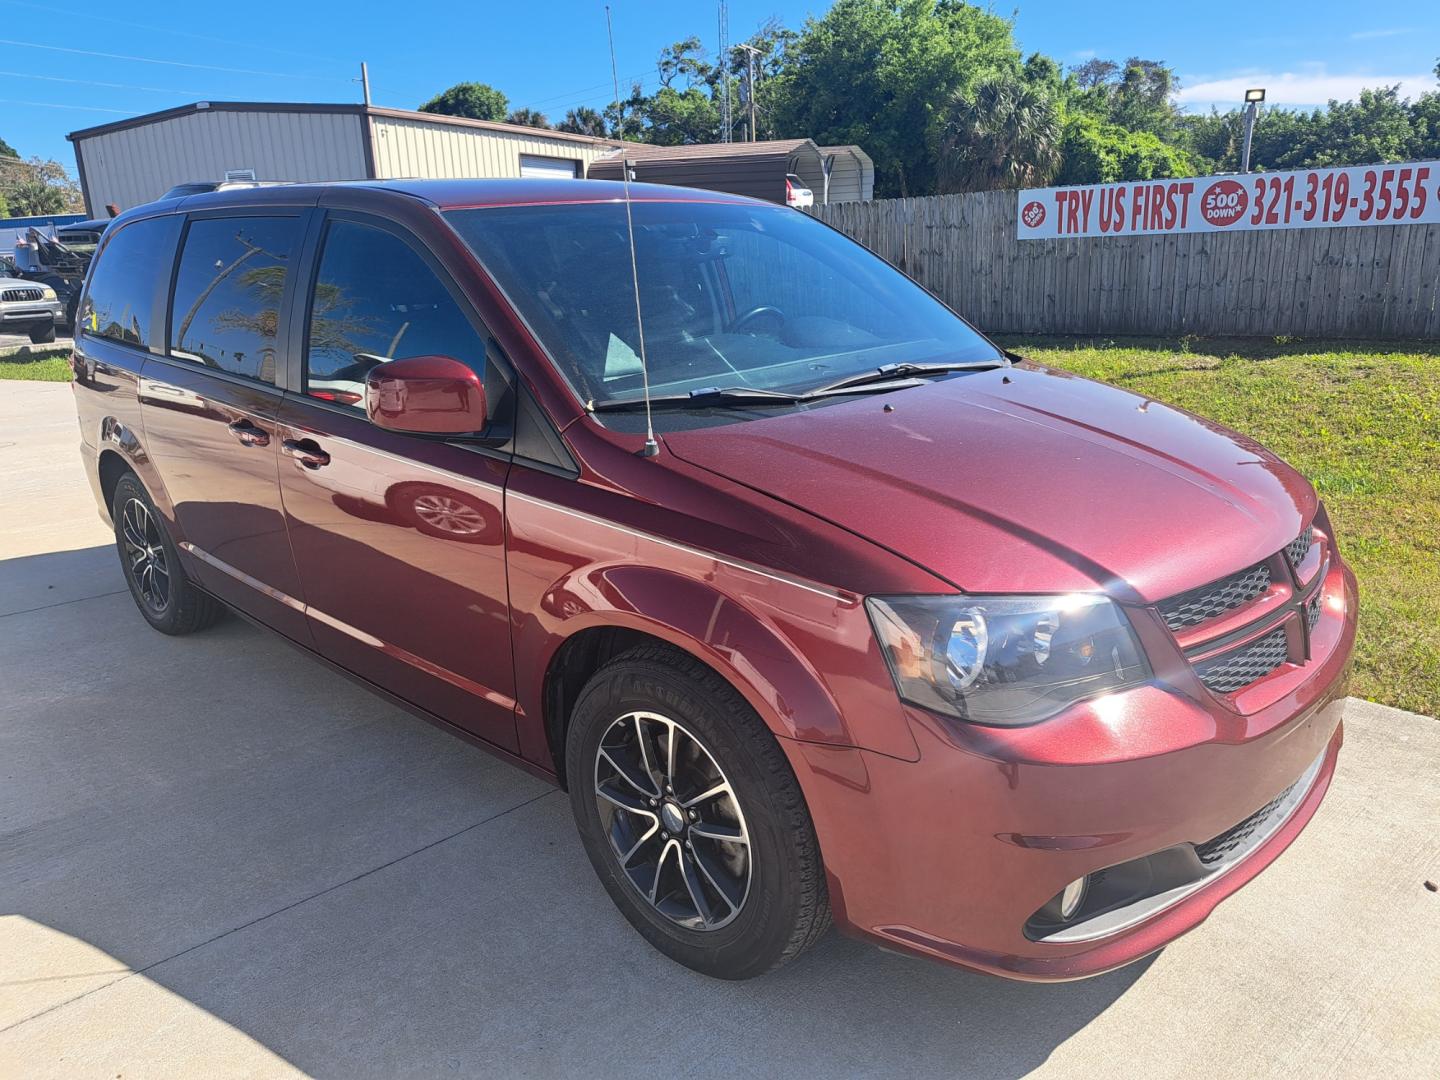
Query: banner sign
(1406, 194)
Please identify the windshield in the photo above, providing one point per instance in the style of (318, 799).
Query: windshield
(731, 295)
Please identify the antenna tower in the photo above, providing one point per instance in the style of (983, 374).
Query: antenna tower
(727, 121)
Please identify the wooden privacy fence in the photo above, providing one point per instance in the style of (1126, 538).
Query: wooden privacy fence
(1362, 282)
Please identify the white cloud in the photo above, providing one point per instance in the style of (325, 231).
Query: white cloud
(1084, 54)
(1313, 84)
(1368, 35)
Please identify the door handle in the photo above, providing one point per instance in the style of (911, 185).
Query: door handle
(249, 434)
(306, 451)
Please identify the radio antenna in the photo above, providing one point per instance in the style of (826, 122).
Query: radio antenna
(651, 447)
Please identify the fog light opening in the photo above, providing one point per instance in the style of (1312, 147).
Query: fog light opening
(1072, 896)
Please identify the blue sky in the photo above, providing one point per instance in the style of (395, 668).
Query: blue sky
(551, 54)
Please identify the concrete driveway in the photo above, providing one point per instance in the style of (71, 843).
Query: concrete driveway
(217, 858)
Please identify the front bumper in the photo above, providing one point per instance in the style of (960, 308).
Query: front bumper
(31, 313)
(951, 855)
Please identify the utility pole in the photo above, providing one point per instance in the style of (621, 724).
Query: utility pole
(1253, 98)
(365, 82)
(750, 53)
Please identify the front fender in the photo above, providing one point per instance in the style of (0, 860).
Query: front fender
(747, 635)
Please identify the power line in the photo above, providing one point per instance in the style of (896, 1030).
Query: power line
(54, 105)
(174, 63)
(644, 76)
(606, 99)
(91, 17)
(108, 85)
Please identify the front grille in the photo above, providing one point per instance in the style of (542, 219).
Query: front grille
(1208, 601)
(1297, 549)
(21, 295)
(1230, 671)
(1216, 850)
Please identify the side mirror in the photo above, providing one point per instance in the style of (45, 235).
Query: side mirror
(425, 395)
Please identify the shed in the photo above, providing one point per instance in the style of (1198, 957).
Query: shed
(137, 160)
(852, 175)
(756, 169)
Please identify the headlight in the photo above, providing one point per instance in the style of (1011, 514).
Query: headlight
(47, 292)
(1006, 660)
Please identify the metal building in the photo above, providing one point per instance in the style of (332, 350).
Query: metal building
(757, 169)
(137, 160)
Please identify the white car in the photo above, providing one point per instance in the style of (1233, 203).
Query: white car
(796, 193)
(27, 307)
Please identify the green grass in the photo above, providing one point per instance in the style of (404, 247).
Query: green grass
(40, 363)
(1362, 421)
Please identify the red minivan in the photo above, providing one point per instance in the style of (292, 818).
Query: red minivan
(981, 660)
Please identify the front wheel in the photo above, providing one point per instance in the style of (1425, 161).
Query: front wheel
(42, 335)
(692, 816)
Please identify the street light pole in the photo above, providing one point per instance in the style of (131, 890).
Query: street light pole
(1253, 98)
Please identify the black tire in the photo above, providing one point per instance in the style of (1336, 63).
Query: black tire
(42, 335)
(785, 907)
(158, 585)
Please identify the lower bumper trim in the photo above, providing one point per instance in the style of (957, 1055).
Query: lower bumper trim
(1208, 863)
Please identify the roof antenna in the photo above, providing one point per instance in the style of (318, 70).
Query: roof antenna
(651, 447)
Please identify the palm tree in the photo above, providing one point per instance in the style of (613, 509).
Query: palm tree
(584, 121)
(1003, 134)
(529, 118)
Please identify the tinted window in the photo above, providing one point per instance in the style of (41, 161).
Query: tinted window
(732, 294)
(376, 300)
(226, 310)
(121, 298)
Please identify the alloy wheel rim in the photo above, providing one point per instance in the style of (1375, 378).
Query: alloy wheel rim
(673, 821)
(449, 515)
(145, 555)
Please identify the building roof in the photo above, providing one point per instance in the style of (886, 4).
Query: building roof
(694, 151)
(848, 148)
(322, 107)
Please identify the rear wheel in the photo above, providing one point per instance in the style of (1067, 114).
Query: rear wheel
(692, 817)
(162, 592)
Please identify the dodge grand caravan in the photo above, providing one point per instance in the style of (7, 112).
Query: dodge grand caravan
(983, 661)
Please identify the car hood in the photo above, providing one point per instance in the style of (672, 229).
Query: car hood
(1025, 479)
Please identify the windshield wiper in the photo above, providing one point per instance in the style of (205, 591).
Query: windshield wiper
(891, 372)
(893, 376)
(703, 398)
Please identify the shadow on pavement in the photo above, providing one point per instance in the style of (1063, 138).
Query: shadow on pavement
(363, 895)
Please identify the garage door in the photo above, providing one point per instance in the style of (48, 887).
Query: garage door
(549, 168)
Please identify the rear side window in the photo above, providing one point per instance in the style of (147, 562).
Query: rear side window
(226, 308)
(377, 300)
(120, 302)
